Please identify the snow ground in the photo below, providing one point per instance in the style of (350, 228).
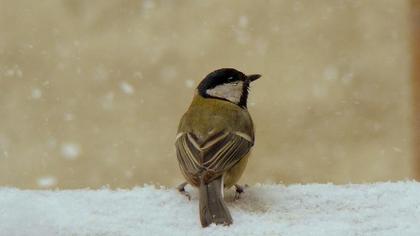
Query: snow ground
(315, 209)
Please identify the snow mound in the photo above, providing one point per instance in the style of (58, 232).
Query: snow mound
(315, 209)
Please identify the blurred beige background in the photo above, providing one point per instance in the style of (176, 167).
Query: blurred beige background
(91, 91)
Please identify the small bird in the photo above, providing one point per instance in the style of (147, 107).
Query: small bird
(214, 139)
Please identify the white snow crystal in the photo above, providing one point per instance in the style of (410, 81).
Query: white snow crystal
(108, 101)
(243, 21)
(168, 73)
(5, 154)
(46, 181)
(68, 116)
(396, 149)
(126, 88)
(9, 73)
(138, 75)
(347, 78)
(331, 73)
(19, 73)
(51, 143)
(70, 151)
(242, 36)
(128, 174)
(189, 83)
(15, 71)
(261, 46)
(4, 141)
(36, 93)
(100, 73)
(149, 4)
(319, 91)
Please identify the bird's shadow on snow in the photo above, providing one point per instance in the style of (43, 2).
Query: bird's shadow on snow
(249, 201)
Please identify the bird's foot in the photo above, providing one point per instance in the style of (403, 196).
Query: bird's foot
(181, 189)
(239, 190)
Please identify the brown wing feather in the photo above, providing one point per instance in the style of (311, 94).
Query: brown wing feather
(210, 157)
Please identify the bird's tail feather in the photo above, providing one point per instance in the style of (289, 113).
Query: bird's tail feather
(213, 208)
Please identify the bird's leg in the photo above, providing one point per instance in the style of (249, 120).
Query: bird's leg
(239, 190)
(181, 189)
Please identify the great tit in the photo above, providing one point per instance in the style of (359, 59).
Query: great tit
(214, 139)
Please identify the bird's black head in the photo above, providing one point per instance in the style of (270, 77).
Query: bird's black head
(227, 84)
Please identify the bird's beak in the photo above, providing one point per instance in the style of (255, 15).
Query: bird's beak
(253, 77)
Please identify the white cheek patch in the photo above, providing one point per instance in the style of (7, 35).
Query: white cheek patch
(231, 91)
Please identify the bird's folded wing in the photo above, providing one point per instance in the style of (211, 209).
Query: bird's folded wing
(216, 153)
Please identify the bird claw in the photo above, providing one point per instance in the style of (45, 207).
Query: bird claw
(239, 190)
(181, 189)
(186, 194)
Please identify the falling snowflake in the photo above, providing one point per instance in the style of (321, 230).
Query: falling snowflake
(36, 93)
(189, 83)
(70, 151)
(126, 88)
(46, 181)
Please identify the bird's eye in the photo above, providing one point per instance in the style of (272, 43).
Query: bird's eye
(230, 79)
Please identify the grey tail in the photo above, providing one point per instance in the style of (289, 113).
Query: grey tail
(213, 208)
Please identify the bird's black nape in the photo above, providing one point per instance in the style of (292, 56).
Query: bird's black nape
(224, 76)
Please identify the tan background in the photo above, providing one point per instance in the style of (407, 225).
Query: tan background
(91, 91)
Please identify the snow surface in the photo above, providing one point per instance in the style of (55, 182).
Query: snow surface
(315, 209)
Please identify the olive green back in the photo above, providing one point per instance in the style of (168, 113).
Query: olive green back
(210, 115)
